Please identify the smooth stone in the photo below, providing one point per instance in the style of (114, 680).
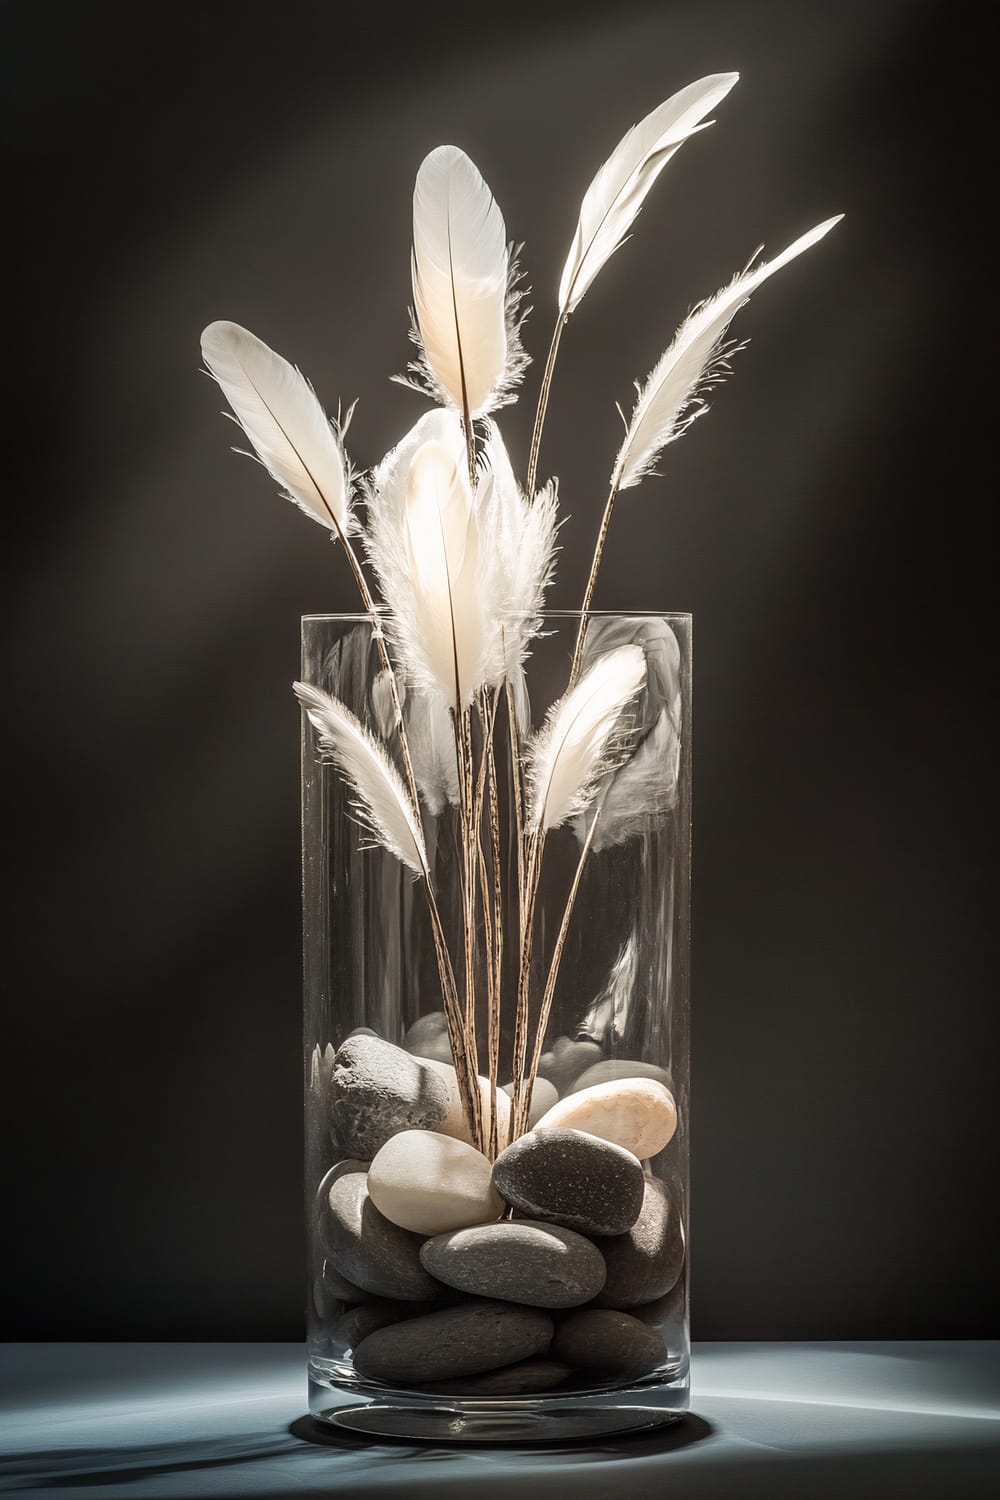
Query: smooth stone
(377, 1090)
(366, 1247)
(518, 1260)
(566, 1060)
(428, 1037)
(645, 1263)
(429, 1183)
(360, 1031)
(457, 1341)
(514, 1380)
(332, 1291)
(611, 1069)
(354, 1326)
(638, 1114)
(609, 1344)
(454, 1123)
(571, 1178)
(667, 1309)
(543, 1095)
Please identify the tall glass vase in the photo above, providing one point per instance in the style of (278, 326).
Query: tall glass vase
(511, 1267)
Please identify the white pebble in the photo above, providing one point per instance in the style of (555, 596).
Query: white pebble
(637, 1113)
(454, 1123)
(431, 1183)
(543, 1096)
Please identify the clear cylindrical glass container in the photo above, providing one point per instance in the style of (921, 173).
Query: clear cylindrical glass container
(517, 1269)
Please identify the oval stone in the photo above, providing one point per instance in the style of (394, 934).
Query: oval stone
(645, 1263)
(608, 1344)
(457, 1341)
(377, 1090)
(571, 1178)
(566, 1060)
(611, 1069)
(364, 1246)
(429, 1183)
(636, 1113)
(543, 1095)
(518, 1260)
(514, 1380)
(454, 1122)
(428, 1037)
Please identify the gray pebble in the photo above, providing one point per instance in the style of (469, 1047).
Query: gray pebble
(377, 1256)
(455, 1342)
(571, 1178)
(610, 1069)
(566, 1060)
(377, 1090)
(517, 1260)
(428, 1037)
(612, 1345)
(354, 1327)
(645, 1263)
(514, 1380)
(331, 1291)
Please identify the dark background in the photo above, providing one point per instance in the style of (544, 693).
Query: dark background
(824, 524)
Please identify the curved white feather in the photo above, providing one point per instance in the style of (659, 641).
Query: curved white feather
(471, 354)
(670, 400)
(617, 193)
(287, 427)
(385, 808)
(575, 746)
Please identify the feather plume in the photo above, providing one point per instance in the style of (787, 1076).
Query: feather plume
(577, 744)
(673, 395)
(383, 806)
(619, 190)
(436, 571)
(464, 289)
(287, 428)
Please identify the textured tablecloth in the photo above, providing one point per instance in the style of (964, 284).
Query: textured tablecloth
(159, 1421)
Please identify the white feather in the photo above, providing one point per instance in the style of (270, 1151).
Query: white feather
(524, 541)
(576, 745)
(640, 793)
(617, 193)
(385, 809)
(672, 396)
(463, 287)
(288, 429)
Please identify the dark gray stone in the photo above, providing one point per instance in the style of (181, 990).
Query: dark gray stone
(377, 1090)
(609, 1345)
(515, 1380)
(353, 1327)
(428, 1037)
(571, 1178)
(375, 1255)
(542, 1265)
(566, 1060)
(611, 1069)
(332, 1292)
(455, 1342)
(644, 1263)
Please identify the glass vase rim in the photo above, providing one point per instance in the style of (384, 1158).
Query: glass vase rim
(357, 615)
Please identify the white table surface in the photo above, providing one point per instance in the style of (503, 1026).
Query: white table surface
(804, 1421)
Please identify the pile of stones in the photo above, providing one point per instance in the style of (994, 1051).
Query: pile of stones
(554, 1265)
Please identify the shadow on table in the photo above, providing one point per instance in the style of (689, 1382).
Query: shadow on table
(680, 1434)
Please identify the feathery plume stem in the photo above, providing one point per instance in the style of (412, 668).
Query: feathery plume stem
(602, 536)
(543, 401)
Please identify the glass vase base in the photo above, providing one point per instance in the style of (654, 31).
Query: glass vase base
(556, 1417)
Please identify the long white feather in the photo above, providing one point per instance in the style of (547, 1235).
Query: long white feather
(673, 394)
(523, 537)
(619, 190)
(287, 428)
(576, 745)
(384, 808)
(465, 303)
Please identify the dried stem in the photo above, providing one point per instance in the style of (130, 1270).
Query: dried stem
(497, 931)
(536, 844)
(602, 537)
(543, 402)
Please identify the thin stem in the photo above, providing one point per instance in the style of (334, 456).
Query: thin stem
(518, 789)
(497, 927)
(602, 537)
(543, 402)
(536, 843)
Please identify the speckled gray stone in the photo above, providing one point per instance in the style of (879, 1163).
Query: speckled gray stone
(375, 1255)
(353, 1327)
(514, 1380)
(428, 1037)
(608, 1344)
(570, 1178)
(455, 1342)
(613, 1068)
(518, 1260)
(565, 1060)
(377, 1090)
(645, 1263)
